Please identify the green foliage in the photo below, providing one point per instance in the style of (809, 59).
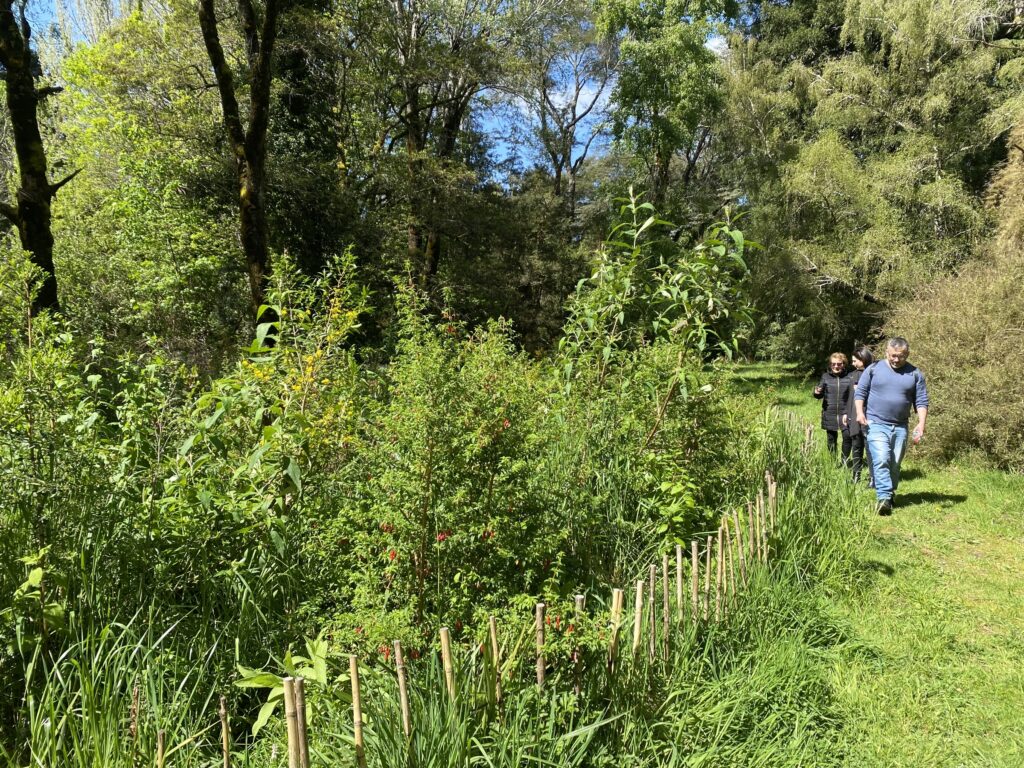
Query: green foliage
(965, 335)
(156, 266)
(667, 78)
(869, 133)
(647, 288)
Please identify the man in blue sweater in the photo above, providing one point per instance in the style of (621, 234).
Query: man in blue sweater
(885, 394)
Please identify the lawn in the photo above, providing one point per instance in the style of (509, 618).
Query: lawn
(933, 673)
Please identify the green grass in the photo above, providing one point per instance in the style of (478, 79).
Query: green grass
(933, 674)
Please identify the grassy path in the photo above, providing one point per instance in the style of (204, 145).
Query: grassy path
(933, 674)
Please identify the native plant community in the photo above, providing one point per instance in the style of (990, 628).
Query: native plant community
(331, 323)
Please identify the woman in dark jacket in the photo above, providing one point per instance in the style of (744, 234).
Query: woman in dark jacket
(862, 358)
(835, 394)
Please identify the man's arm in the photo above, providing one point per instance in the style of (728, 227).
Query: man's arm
(921, 403)
(861, 418)
(861, 395)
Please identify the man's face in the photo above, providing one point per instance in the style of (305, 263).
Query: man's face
(896, 357)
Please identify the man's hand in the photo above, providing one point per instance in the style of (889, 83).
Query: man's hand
(861, 418)
(818, 390)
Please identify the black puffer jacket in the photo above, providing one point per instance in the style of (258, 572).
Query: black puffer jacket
(835, 397)
(851, 410)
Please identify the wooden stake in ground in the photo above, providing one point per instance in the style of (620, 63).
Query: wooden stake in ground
(161, 744)
(357, 712)
(492, 625)
(403, 690)
(540, 645)
(679, 583)
(291, 722)
(613, 643)
(652, 618)
(707, 579)
(577, 662)
(719, 574)
(739, 546)
(731, 580)
(446, 662)
(755, 539)
(666, 606)
(638, 611)
(695, 580)
(300, 722)
(762, 521)
(133, 716)
(225, 733)
(773, 503)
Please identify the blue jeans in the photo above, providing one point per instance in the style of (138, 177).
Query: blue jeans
(886, 445)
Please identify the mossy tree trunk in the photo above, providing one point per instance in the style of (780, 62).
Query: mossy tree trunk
(31, 214)
(248, 145)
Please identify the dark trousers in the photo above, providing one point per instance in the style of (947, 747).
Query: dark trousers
(832, 436)
(860, 445)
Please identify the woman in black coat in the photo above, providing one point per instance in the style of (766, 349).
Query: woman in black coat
(834, 392)
(862, 358)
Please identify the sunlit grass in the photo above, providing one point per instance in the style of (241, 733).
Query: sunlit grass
(934, 675)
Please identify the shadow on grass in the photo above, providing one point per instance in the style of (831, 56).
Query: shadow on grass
(875, 568)
(930, 497)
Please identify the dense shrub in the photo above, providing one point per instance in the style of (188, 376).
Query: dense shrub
(966, 333)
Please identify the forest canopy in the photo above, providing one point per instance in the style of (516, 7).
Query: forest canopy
(164, 159)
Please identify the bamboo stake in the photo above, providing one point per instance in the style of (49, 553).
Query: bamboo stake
(403, 690)
(291, 722)
(613, 644)
(357, 712)
(133, 716)
(577, 662)
(225, 733)
(679, 583)
(755, 540)
(540, 645)
(739, 546)
(446, 661)
(731, 582)
(762, 521)
(707, 579)
(666, 605)
(773, 502)
(496, 657)
(300, 722)
(652, 618)
(161, 742)
(638, 610)
(719, 573)
(695, 580)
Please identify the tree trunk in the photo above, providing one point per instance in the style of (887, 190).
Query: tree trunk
(35, 193)
(249, 146)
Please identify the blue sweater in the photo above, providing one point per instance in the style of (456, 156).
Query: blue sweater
(888, 394)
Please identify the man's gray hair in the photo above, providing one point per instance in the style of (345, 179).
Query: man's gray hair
(898, 342)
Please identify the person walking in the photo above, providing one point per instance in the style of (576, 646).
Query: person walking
(860, 360)
(884, 396)
(834, 392)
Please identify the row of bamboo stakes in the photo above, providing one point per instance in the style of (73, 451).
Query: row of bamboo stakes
(710, 601)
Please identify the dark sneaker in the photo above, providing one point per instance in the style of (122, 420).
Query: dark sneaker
(885, 507)
(871, 483)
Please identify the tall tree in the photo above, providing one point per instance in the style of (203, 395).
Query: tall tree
(248, 144)
(31, 214)
(668, 80)
(569, 71)
(429, 60)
